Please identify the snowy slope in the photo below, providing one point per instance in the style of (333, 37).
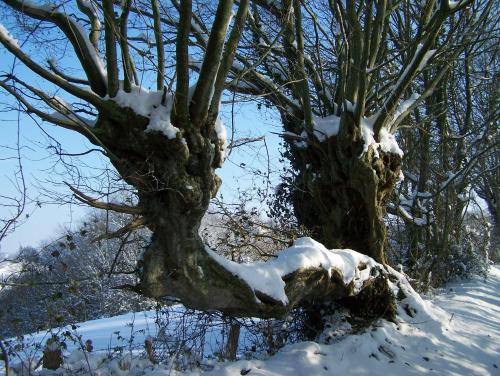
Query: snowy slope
(455, 333)
(110, 332)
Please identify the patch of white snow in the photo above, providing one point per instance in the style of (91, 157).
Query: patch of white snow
(6, 35)
(325, 127)
(387, 144)
(267, 277)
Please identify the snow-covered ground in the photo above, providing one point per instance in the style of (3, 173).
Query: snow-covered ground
(457, 332)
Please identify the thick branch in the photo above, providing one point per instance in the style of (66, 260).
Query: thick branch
(228, 57)
(111, 55)
(87, 8)
(57, 71)
(181, 105)
(80, 196)
(42, 72)
(306, 272)
(128, 70)
(302, 76)
(363, 64)
(198, 108)
(160, 74)
(131, 226)
(66, 121)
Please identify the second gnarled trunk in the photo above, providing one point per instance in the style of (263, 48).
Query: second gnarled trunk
(339, 192)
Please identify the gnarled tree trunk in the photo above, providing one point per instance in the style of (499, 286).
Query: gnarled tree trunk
(340, 192)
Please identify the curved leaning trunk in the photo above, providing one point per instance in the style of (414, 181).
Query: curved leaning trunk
(203, 280)
(175, 180)
(340, 191)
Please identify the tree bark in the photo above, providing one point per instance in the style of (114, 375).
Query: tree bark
(232, 340)
(340, 193)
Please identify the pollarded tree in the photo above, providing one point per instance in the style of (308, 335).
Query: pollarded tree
(344, 77)
(167, 143)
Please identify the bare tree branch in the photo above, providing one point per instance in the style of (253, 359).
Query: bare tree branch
(83, 48)
(80, 196)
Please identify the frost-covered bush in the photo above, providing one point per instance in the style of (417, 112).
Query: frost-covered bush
(430, 264)
(470, 256)
(73, 279)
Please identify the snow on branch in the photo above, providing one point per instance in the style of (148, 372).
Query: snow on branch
(401, 211)
(329, 126)
(269, 277)
(157, 107)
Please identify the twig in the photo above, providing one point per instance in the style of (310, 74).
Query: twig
(80, 196)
